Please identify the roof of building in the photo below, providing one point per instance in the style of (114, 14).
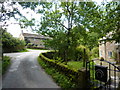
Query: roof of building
(34, 35)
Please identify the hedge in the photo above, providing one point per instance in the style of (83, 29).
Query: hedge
(79, 77)
(5, 63)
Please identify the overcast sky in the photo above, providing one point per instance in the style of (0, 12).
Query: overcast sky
(15, 29)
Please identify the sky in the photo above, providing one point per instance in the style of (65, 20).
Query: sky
(15, 29)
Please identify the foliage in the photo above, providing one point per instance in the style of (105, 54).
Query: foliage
(107, 21)
(113, 20)
(82, 52)
(114, 56)
(71, 24)
(5, 63)
(10, 44)
(59, 43)
(29, 44)
(53, 24)
(75, 64)
(24, 50)
(72, 70)
(8, 10)
(62, 80)
(95, 52)
(80, 36)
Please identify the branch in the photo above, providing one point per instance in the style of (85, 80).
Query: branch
(72, 14)
(68, 8)
(63, 25)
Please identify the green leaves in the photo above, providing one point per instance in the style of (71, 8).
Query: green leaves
(5, 63)
(11, 43)
(71, 24)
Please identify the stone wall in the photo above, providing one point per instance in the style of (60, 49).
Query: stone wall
(105, 49)
(77, 76)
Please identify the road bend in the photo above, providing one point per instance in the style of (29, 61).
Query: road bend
(25, 72)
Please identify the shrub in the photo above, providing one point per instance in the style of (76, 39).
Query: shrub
(114, 56)
(74, 75)
(82, 52)
(5, 63)
(62, 80)
(29, 44)
(95, 52)
(11, 44)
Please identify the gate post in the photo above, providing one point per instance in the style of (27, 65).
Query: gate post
(83, 78)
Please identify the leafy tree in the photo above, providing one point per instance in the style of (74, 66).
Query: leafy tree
(113, 16)
(71, 24)
(10, 44)
(54, 19)
(107, 21)
(8, 10)
(95, 52)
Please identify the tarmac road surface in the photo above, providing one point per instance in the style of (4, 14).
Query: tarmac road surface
(25, 72)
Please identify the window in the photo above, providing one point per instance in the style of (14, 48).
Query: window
(109, 54)
(100, 53)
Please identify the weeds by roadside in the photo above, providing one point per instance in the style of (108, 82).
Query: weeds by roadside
(5, 63)
(62, 80)
(25, 50)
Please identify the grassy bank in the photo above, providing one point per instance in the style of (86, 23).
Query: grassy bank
(75, 64)
(5, 63)
(62, 80)
(37, 48)
(25, 50)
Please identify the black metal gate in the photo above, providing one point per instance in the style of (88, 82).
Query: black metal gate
(102, 74)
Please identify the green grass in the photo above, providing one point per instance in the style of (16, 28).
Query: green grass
(37, 49)
(5, 63)
(62, 80)
(25, 50)
(75, 64)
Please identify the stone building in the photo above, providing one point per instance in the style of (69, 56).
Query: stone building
(34, 39)
(109, 50)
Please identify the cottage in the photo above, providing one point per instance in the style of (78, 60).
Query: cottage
(109, 50)
(34, 39)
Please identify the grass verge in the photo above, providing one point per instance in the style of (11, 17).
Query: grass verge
(62, 80)
(25, 50)
(75, 64)
(37, 49)
(5, 63)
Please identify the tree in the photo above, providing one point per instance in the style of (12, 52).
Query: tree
(113, 17)
(73, 23)
(8, 10)
(53, 22)
(11, 44)
(107, 21)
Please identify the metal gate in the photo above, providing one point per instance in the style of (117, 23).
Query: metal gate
(102, 74)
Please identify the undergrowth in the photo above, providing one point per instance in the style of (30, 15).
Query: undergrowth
(62, 80)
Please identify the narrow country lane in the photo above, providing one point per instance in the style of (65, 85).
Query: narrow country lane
(25, 72)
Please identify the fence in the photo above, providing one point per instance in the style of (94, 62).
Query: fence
(104, 74)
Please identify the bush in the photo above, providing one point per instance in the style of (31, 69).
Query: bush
(82, 52)
(29, 44)
(5, 63)
(75, 76)
(95, 52)
(11, 44)
(62, 80)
